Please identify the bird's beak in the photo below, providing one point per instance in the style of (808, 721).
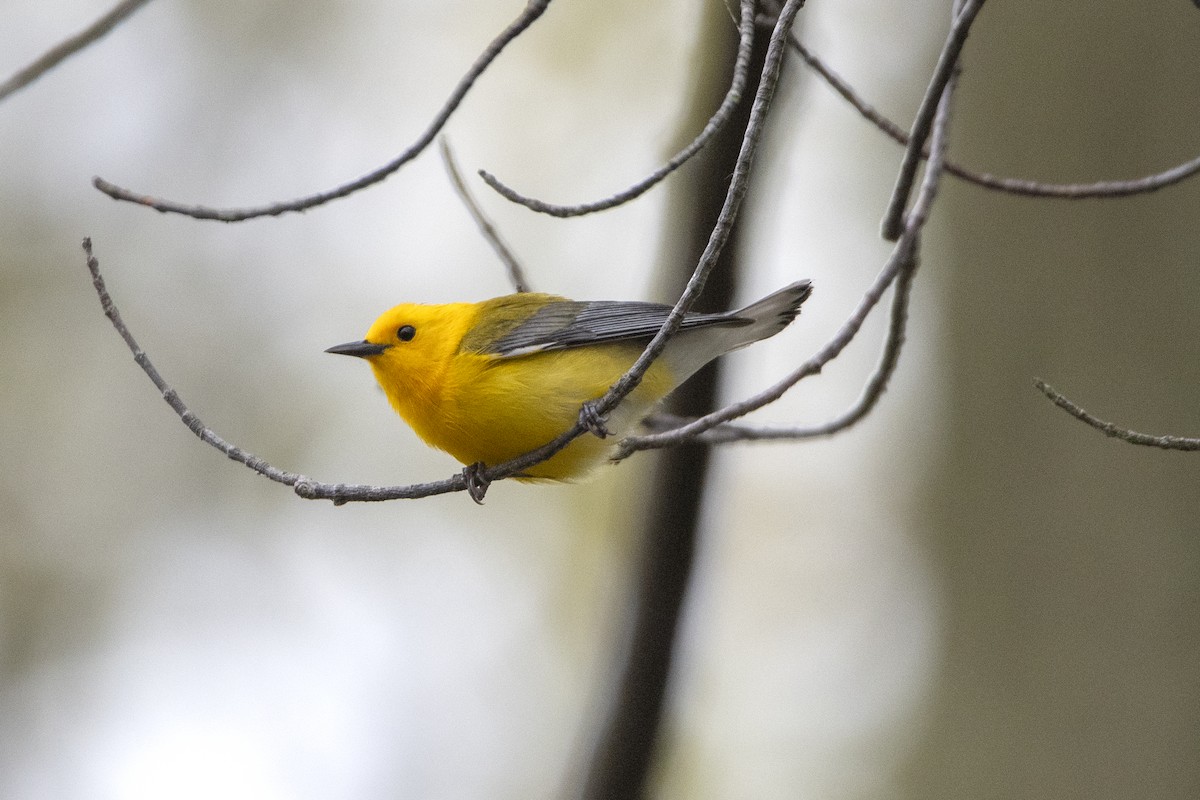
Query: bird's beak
(361, 349)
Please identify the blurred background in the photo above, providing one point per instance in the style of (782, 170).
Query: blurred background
(967, 595)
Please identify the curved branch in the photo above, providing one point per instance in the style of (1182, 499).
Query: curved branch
(714, 124)
(533, 10)
(305, 487)
(1017, 186)
(69, 47)
(1114, 430)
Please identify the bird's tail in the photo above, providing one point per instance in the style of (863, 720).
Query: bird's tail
(693, 348)
(773, 313)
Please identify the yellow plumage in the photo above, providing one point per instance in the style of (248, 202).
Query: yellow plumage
(489, 381)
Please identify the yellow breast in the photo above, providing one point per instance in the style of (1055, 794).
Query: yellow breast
(492, 409)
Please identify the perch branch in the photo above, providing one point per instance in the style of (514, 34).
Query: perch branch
(309, 489)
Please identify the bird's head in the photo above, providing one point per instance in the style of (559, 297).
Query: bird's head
(410, 346)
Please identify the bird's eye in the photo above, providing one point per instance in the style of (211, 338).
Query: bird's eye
(406, 333)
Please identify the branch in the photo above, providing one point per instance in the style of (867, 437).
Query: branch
(474, 479)
(902, 255)
(720, 233)
(715, 123)
(1116, 431)
(867, 400)
(516, 274)
(69, 47)
(1017, 186)
(533, 10)
(902, 263)
(309, 489)
(942, 75)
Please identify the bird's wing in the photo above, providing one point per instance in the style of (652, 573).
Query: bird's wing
(565, 324)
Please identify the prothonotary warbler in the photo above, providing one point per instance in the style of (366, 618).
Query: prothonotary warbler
(489, 381)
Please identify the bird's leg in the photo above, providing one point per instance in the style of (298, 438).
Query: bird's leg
(477, 483)
(591, 419)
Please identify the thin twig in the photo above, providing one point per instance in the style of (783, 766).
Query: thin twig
(1017, 186)
(714, 124)
(169, 394)
(901, 263)
(902, 253)
(69, 47)
(720, 233)
(516, 274)
(533, 10)
(893, 219)
(1114, 430)
(939, 142)
(867, 400)
(305, 487)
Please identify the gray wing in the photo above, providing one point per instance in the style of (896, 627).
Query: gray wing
(562, 325)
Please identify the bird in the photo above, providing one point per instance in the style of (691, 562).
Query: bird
(489, 381)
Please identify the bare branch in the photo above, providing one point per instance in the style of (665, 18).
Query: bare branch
(715, 123)
(893, 218)
(169, 394)
(533, 10)
(1082, 191)
(871, 394)
(720, 233)
(1018, 186)
(69, 47)
(516, 274)
(902, 263)
(939, 143)
(902, 255)
(309, 489)
(476, 478)
(1114, 430)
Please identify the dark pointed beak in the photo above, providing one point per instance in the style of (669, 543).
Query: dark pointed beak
(361, 349)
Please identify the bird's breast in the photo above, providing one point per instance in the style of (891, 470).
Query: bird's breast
(494, 409)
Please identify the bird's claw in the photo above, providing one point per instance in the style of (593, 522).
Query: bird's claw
(477, 483)
(591, 419)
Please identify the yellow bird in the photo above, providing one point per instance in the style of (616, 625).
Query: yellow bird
(489, 381)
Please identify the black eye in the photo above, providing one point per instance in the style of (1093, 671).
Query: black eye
(406, 333)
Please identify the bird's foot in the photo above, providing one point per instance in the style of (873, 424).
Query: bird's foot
(593, 420)
(477, 482)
